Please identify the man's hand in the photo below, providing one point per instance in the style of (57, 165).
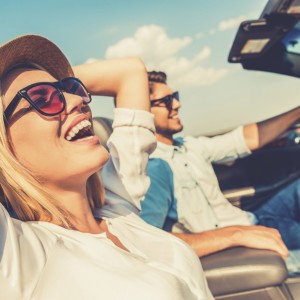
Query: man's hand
(258, 237)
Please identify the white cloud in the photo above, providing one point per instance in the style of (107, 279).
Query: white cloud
(228, 24)
(151, 42)
(185, 73)
(112, 30)
(161, 52)
(231, 23)
(204, 54)
(91, 60)
(199, 35)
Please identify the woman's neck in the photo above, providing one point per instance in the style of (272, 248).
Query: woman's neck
(75, 202)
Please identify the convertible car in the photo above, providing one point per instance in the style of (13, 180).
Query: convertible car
(271, 44)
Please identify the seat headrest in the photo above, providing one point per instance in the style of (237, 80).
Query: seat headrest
(103, 129)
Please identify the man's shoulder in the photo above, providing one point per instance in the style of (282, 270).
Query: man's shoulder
(160, 172)
(159, 163)
(179, 141)
(192, 143)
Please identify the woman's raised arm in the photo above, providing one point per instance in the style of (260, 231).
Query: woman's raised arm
(133, 138)
(122, 78)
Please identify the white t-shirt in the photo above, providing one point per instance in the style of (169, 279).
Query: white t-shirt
(40, 260)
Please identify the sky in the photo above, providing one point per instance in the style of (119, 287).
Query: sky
(189, 40)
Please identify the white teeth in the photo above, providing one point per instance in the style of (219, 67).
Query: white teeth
(77, 128)
(74, 130)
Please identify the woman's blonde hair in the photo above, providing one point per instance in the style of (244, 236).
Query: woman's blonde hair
(25, 195)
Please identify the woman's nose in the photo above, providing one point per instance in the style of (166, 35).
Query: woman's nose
(73, 102)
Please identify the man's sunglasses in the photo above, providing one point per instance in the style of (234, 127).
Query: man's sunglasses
(47, 97)
(167, 100)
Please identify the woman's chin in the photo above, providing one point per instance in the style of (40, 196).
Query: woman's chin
(99, 160)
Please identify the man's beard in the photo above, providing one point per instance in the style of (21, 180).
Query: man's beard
(168, 131)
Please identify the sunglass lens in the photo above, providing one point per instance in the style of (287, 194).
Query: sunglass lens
(176, 96)
(169, 102)
(46, 98)
(75, 87)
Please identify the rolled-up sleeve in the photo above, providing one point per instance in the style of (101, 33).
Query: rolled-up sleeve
(131, 143)
(224, 147)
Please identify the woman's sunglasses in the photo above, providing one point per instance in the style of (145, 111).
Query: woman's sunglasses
(167, 100)
(47, 97)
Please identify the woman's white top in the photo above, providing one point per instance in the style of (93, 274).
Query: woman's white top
(43, 261)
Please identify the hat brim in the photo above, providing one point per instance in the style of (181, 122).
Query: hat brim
(37, 50)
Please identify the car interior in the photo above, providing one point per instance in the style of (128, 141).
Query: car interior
(271, 44)
(236, 273)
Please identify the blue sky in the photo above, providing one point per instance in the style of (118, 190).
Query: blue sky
(190, 40)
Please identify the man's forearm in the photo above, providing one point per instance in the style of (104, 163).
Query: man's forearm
(261, 133)
(258, 237)
(211, 241)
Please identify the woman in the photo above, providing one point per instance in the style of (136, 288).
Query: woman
(68, 242)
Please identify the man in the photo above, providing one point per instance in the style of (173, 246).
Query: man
(184, 197)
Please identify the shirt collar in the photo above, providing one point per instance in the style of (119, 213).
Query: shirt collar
(170, 150)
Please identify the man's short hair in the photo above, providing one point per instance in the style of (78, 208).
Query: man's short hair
(156, 76)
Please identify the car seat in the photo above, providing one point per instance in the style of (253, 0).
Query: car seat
(103, 129)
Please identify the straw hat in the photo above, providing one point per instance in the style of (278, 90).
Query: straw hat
(36, 50)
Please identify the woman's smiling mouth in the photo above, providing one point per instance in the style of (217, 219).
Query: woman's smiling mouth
(79, 131)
